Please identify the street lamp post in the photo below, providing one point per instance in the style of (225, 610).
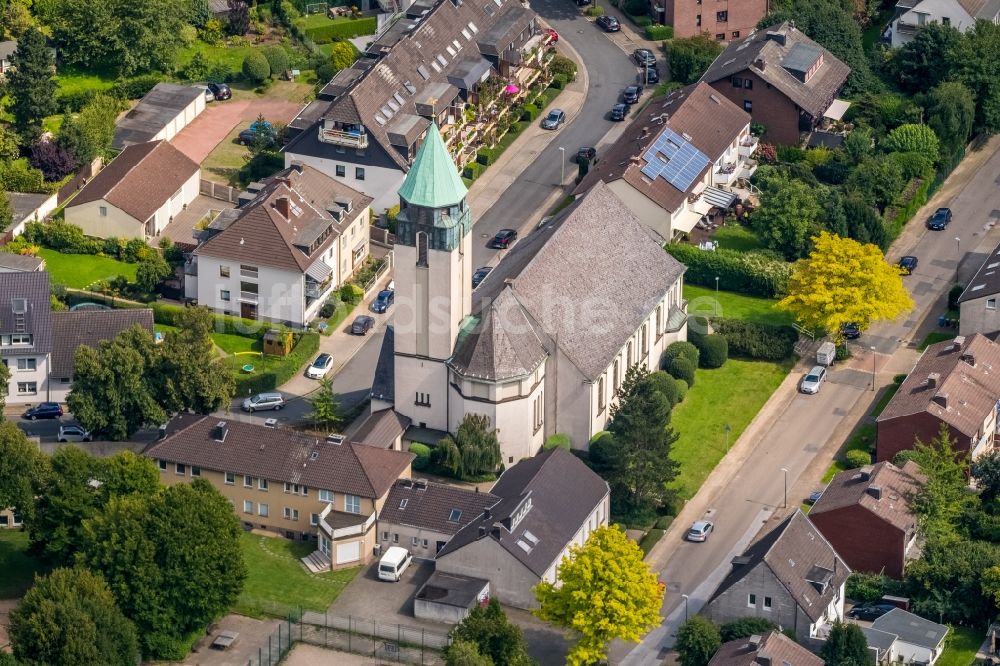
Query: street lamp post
(958, 245)
(685, 598)
(784, 503)
(873, 368)
(716, 286)
(562, 156)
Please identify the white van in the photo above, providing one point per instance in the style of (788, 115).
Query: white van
(393, 564)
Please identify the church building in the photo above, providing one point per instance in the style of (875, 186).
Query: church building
(542, 345)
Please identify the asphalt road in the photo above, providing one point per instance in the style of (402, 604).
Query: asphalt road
(610, 69)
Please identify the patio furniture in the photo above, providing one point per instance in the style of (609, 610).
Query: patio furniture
(225, 640)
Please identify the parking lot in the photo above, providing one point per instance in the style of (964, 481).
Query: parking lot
(389, 603)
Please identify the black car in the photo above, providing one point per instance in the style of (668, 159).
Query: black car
(362, 324)
(908, 264)
(480, 275)
(583, 3)
(258, 129)
(652, 75)
(504, 239)
(631, 94)
(869, 611)
(609, 23)
(220, 90)
(940, 219)
(44, 410)
(850, 331)
(619, 111)
(586, 153)
(644, 57)
(385, 298)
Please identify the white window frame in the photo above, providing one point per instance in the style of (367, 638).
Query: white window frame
(247, 481)
(262, 509)
(991, 304)
(229, 478)
(262, 484)
(180, 469)
(30, 363)
(314, 519)
(163, 465)
(352, 504)
(326, 496)
(751, 600)
(248, 507)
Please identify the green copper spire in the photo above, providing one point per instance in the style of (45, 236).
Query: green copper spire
(433, 180)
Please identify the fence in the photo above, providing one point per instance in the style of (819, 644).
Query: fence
(373, 283)
(277, 646)
(220, 192)
(381, 236)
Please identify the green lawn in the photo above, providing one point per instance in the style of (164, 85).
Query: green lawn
(743, 387)
(223, 164)
(862, 440)
(276, 578)
(17, 566)
(884, 400)
(233, 344)
(961, 647)
(708, 302)
(735, 237)
(934, 337)
(80, 270)
(71, 81)
(231, 57)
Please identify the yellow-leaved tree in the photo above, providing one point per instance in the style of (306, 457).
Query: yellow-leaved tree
(844, 282)
(606, 591)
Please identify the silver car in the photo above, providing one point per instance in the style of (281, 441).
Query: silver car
(73, 433)
(700, 530)
(812, 381)
(263, 401)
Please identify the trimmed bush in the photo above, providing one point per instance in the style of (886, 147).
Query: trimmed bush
(953, 294)
(598, 436)
(681, 348)
(898, 379)
(659, 33)
(663, 522)
(665, 384)
(856, 458)
(558, 440)
(746, 627)
(558, 82)
(764, 342)
(713, 350)
(681, 368)
(487, 156)
(342, 29)
(422, 453)
(754, 273)
(682, 391)
(529, 112)
(277, 59)
(473, 170)
(256, 67)
(595, 10)
(134, 88)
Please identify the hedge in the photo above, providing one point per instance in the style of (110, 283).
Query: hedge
(895, 218)
(559, 82)
(473, 170)
(270, 379)
(713, 350)
(422, 453)
(342, 29)
(487, 156)
(752, 273)
(856, 458)
(681, 368)
(641, 21)
(658, 33)
(748, 339)
(666, 385)
(529, 112)
(681, 348)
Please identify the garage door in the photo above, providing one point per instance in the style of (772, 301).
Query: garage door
(348, 552)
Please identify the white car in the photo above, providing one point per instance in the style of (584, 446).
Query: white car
(700, 530)
(812, 381)
(320, 367)
(73, 433)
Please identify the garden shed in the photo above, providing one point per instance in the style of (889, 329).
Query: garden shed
(278, 343)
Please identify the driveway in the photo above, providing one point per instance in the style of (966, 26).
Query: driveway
(219, 118)
(390, 603)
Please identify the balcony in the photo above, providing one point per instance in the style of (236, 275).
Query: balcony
(248, 296)
(726, 174)
(337, 525)
(748, 146)
(350, 136)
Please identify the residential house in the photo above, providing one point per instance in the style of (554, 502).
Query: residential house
(448, 62)
(679, 159)
(422, 516)
(20, 263)
(219, 9)
(911, 15)
(544, 343)
(137, 194)
(547, 504)
(281, 255)
(722, 20)
(791, 576)
(978, 303)
(283, 481)
(866, 515)
(10, 520)
(953, 383)
(770, 649)
(784, 80)
(29, 207)
(900, 637)
(7, 49)
(160, 114)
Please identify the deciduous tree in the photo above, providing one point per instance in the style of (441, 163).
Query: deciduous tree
(51, 159)
(463, 653)
(65, 499)
(846, 646)
(877, 180)
(187, 374)
(697, 640)
(478, 446)
(31, 85)
(986, 472)
(151, 270)
(494, 637)
(690, 57)
(342, 55)
(979, 70)
(841, 282)
(951, 112)
(788, 215)
(88, 134)
(912, 138)
(605, 592)
(22, 468)
(925, 61)
(239, 17)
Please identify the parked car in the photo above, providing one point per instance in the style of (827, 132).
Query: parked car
(652, 75)
(700, 530)
(586, 153)
(644, 57)
(264, 401)
(553, 35)
(320, 367)
(631, 94)
(504, 239)
(940, 219)
(609, 23)
(44, 410)
(480, 275)
(908, 264)
(812, 381)
(850, 331)
(73, 433)
(362, 324)
(554, 119)
(385, 298)
(871, 610)
(209, 95)
(583, 3)
(619, 111)
(220, 91)
(814, 497)
(259, 128)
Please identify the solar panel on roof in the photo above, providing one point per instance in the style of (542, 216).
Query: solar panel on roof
(674, 159)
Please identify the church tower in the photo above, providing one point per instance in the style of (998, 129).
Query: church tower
(432, 263)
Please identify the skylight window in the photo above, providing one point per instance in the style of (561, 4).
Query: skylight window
(528, 536)
(398, 98)
(454, 516)
(450, 51)
(465, 33)
(403, 503)
(523, 546)
(472, 27)
(386, 111)
(379, 119)
(392, 105)
(441, 59)
(314, 455)
(423, 72)
(410, 88)
(296, 211)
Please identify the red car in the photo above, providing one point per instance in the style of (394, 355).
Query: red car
(553, 35)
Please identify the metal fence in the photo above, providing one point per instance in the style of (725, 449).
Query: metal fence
(271, 652)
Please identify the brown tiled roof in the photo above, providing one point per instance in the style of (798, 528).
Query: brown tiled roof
(797, 554)
(897, 487)
(261, 235)
(140, 180)
(774, 649)
(697, 111)
(430, 506)
(815, 95)
(89, 327)
(968, 392)
(280, 454)
(381, 429)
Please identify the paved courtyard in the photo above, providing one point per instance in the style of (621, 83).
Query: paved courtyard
(253, 635)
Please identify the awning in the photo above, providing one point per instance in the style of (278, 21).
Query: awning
(718, 197)
(319, 271)
(837, 109)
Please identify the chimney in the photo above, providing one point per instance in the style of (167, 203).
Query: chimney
(866, 472)
(482, 530)
(759, 64)
(163, 432)
(959, 341)
(297, 166)
(754, 641)
(777, 37)
(281, 205)
(219, 431)
(875, 491)
(941, 399)
(969, 358)
(487, 514)
(933, 379)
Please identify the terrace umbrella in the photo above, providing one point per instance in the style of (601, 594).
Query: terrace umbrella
(512, 89)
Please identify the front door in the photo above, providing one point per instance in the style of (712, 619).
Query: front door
(248, 310)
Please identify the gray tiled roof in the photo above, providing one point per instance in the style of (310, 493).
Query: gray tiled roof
(792, 551)
(7, 49)
(431, 506)
(281, 454)
(25, 204)
(986, 281)
(773, 649)
(759, 48)
(89, 327)
(880, 640)
(501, 342)
(155, 111)
(911, 628)
(898, 486)
(563, 492)
(37, 319)
(23, 263)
